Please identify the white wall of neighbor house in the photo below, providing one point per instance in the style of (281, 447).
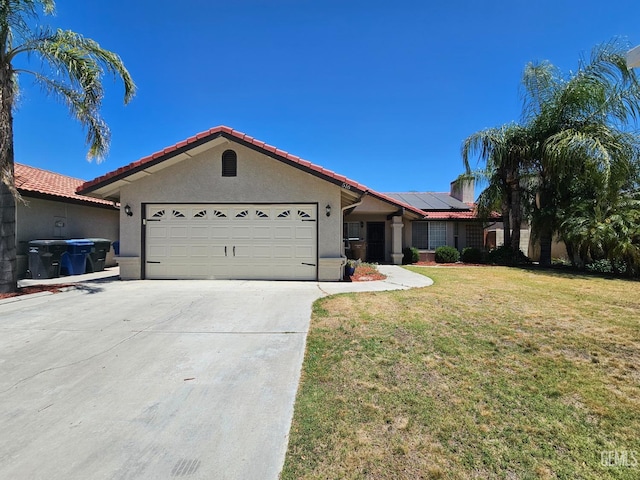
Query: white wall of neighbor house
(41, 219)
(260, 179)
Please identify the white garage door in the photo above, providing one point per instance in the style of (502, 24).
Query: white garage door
(241, 241)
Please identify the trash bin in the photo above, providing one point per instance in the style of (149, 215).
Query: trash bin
(98, 254)
(359, 250)
(74, 260)
(44, 258)
(116, 247)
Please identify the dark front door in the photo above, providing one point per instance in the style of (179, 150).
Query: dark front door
(375, 242)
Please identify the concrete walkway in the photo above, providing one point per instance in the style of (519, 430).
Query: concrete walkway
(156, 379)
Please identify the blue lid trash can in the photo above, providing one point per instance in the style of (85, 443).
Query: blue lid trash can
(98, 254)
(74, 260)
(116, 247)
(45, 257)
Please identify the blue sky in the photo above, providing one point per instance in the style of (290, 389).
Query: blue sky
(382, 92)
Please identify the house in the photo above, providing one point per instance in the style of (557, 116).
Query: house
(222, 204)
(448, 218)
(51, 209)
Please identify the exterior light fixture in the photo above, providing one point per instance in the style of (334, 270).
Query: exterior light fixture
(128, 211)
(328, 210)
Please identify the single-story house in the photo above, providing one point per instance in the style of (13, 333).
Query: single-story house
(222, 204)
(51, 209)
(448, 218)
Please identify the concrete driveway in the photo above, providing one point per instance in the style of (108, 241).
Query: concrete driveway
(156, 379)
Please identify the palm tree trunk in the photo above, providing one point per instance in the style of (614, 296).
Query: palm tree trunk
(506, 219)
(516, 214)
(546, 238)
(8, 193)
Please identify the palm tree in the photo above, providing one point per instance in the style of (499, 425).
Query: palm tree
(72, 72)
(578, 124)
(505, 152)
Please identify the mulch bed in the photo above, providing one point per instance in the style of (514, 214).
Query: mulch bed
(366, 273)
(36, 289)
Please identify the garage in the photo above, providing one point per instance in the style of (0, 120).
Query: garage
(276, 241)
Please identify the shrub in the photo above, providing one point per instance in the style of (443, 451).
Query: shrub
(411, 255)
(605, 265)
(472, 255)
(446, 254)
(505, 255)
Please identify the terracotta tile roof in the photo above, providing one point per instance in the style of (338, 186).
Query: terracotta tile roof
(241, 138)
(42, 182)
(458, 215)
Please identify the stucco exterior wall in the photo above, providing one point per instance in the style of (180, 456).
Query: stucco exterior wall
(41, 219)
(259, 179)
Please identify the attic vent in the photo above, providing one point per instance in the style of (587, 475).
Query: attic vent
(229, 164)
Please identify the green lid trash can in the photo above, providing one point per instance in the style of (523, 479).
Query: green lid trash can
(98, 254)
(45, 258)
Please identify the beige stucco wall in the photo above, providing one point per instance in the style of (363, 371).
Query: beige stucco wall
(374, 210)
(37, 220)
(260, 179)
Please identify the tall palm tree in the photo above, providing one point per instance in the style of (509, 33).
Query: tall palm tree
(579, 124)
(505, 152)
(72, 68)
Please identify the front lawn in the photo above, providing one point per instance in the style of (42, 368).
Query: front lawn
(490, 373)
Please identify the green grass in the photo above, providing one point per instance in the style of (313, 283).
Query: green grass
(489, 373)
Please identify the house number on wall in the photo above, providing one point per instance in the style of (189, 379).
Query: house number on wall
(346, 186)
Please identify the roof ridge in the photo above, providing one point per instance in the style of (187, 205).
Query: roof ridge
(223, 129)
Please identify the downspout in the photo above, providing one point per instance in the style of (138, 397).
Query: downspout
(342, 210)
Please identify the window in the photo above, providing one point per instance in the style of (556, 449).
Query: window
(229, 164)
(474, 235)
(351, 230)
(428, 235)
(420, 234)
(437, 234)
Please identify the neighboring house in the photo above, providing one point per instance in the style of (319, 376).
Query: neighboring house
(51, 209)
(222, 204)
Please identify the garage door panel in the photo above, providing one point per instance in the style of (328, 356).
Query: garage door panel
(221, 232)
(179, 232)
(262, 232)
(282, 232)
(241, 232)
(305, 233)
(220, 241)
(200, 231)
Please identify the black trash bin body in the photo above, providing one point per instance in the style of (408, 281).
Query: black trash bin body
(44, 258)
(98, 254)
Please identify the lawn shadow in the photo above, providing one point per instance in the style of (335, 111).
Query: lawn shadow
(573, 273)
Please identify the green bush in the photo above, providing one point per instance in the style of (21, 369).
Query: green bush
(472, 255)
(447, 254)
(411, 255)
(505, 255)
(605, 265)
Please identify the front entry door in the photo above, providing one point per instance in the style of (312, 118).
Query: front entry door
(375, 242)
